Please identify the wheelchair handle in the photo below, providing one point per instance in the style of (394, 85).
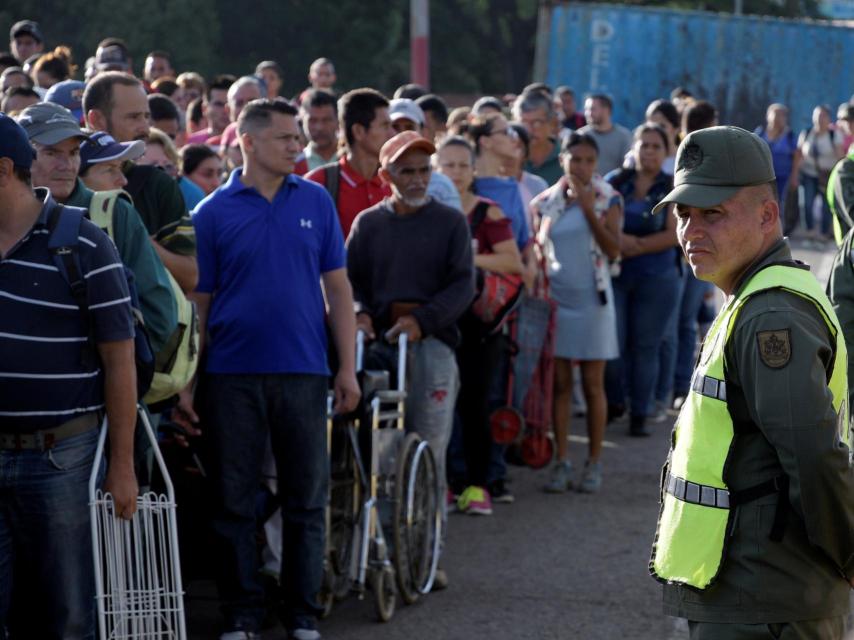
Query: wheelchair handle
(360, 350)
(402, 342)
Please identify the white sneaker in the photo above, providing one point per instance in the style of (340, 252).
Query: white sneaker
(305, 634)
(659, 414)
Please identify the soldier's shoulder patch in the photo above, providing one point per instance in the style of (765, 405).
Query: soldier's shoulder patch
(775, 347)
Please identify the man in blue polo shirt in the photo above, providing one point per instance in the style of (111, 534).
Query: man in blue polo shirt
(266, 241)
(59, 375)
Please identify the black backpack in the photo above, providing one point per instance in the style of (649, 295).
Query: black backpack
(64, 244)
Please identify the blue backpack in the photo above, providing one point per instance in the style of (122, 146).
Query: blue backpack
(64, 243)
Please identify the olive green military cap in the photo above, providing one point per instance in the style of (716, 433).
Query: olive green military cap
(713, 164)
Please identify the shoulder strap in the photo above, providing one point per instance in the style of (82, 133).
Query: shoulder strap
(102, 208)
(332, 176)
(63, 244)
(478, 215)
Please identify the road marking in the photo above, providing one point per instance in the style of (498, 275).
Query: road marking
(584, 439)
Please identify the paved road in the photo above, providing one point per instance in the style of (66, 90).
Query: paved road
(546, 567)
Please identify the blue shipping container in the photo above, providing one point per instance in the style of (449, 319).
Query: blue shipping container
(739, 63)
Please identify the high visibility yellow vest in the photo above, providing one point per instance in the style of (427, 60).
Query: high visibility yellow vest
(693, 525)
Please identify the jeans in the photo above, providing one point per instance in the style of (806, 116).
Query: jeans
(644, 304)
(243, 412)
(692, 300)
(669, 351)
(47, 579)
(809, 189)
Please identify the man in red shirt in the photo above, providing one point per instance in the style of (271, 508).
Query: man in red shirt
(363, 115)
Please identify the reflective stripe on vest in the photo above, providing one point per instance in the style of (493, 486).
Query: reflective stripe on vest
(690, 543)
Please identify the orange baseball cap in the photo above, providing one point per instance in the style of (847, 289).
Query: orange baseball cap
(401, 143)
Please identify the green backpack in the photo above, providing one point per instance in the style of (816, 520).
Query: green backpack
(175, 364)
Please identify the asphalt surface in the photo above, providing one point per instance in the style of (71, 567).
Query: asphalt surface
(546, 567)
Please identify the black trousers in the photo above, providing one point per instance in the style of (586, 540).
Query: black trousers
(478, 358)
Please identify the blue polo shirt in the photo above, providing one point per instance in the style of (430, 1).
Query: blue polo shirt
(44, 378)
(262, 262)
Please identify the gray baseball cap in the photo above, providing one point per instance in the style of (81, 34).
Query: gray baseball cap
(49, 123)
(713, 164)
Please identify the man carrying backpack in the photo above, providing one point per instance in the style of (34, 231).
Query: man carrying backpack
(353, 182)
(55, 136)
(60, 375)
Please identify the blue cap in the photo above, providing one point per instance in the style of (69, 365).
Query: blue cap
(14, 143)
(102, 147)
(68, 93)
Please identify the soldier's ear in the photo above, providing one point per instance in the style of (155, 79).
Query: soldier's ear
(770, 215)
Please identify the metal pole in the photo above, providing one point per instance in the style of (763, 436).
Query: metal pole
(739, 7)
(419, 42)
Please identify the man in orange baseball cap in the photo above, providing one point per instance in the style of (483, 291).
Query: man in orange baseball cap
(410, 262)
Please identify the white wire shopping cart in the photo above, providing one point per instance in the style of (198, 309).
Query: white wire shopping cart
(137, 567)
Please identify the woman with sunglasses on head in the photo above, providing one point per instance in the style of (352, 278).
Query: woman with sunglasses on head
(578, 224)
(495, 144)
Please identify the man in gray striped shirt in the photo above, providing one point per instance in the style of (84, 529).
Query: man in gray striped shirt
(59, 374)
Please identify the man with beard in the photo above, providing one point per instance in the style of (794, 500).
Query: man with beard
(115, 102)
(410, 262)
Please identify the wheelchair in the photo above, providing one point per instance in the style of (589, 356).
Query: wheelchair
(383, 515)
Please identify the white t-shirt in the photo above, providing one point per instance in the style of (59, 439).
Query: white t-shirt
(819, 152)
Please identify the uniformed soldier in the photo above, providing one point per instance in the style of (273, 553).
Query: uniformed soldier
(840, 290)
(755, 536)
(840, 195)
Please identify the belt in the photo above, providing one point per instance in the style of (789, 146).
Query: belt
(47, 438)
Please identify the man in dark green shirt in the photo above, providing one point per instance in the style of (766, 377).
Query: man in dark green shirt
(788, 551)
(115, 102)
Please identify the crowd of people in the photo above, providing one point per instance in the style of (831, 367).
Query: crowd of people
(291, 224)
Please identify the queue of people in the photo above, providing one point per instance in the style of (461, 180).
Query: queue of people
(290, 225)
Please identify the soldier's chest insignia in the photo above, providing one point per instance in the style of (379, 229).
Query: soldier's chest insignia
(775, 347)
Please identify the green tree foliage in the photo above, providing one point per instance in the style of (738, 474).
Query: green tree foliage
(188, 29)
(477, 46)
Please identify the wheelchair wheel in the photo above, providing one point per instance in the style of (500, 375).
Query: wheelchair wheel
(506, 423)
(345, 495)
(537, 450)
(417, 523)
(385, 593)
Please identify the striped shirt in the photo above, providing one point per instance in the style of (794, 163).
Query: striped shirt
(43, 379)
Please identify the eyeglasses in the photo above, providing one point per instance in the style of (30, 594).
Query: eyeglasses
(509, 132)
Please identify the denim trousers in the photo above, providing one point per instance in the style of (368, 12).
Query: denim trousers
(689, 309)
(809, 189)
(669, 352)
(644, 305)
(47, 579)
(244, 412)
